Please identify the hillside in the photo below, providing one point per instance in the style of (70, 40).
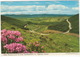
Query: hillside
(12, 21)
(60, 26)
(53, 41)
(63, 26)
(75, 23)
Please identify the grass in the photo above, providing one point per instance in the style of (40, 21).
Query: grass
(61, 26)
(75, 23)
(12, 21)
(54, 42)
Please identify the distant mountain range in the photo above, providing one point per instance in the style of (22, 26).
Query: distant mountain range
(34, 15)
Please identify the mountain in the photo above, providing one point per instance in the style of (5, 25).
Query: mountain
(12, 21)
(75, 23)
(35, 15)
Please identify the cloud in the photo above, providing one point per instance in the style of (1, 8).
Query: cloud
(25, 12)
(11, 13)
(38, 9)
(75, 8)
(19, 8)
(52, 7)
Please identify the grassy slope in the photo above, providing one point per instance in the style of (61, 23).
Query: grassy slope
(60, 26)
(63, 26)
(53, 43)
(13, 21)
(75, 23)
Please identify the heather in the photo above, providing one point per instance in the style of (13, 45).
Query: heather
(13, 42)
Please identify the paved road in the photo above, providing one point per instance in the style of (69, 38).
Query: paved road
(70, 27)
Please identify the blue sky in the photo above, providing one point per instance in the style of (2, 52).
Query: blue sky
(40, 7)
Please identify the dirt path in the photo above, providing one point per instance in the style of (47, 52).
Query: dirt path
(55, 31)
(68, 26)
(37, 32)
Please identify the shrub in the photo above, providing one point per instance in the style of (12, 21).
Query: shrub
(12, 43)
(8, 36)
(15, 47)
(35, 47)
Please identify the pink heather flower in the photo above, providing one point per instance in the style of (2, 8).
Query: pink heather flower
(12, 32)
(34, 52)
(17, 33)
(8, 32)
(3, 31)
(15, 47)
(11, 37)
(19, 39)
(4, 39)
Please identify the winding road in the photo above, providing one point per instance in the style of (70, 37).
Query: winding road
(37, 32)
(70, 27)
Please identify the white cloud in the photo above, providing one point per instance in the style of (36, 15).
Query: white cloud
(37, 9)
(75, 8)
(25, 12)
(55, 7)
(27, 8)
(11, 13)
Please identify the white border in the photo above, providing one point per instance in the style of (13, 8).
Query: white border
(46, 54)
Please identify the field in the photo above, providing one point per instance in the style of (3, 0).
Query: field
(48, 31)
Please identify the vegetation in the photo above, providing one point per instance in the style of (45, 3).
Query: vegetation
(61, 26)
(52, 42)
(75, 23)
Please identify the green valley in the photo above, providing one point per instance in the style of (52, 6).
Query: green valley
(48, 30)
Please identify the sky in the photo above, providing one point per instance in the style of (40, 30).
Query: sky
(39, 7)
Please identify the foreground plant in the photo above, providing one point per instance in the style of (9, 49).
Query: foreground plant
(15, 48)
(12, 43)
(36, 47)
(8, 36)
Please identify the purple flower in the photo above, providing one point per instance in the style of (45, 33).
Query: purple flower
(11, 37)
(3, 31)
(17, 33)
(7, 32)
(15, 47)
(19, 39)
(4, 39)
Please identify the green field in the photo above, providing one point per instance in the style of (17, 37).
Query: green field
(53, 42)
